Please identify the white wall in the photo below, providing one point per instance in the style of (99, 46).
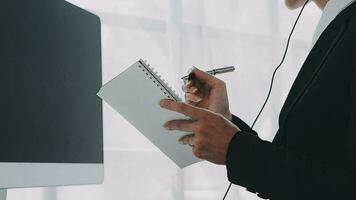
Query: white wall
(174, 35)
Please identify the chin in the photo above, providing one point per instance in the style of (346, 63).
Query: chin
(293, 4)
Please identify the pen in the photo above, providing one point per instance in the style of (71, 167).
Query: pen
(212, 72)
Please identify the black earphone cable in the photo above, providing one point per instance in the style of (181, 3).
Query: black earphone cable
(274, 74)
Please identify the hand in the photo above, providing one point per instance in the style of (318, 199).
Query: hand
(207, 92)
(211, 132)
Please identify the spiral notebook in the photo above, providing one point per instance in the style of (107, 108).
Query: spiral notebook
(135, 94)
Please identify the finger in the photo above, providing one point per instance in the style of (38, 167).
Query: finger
(195, 83)
(199, 153)
(192, 89)
(193, 97)
(188, 139)
(187, 84)
(205, 77)
(185, 125)
(181, 107)
(190, 102)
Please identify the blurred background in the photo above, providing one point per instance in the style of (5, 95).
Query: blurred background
(173, 36)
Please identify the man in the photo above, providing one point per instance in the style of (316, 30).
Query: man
(313, 155)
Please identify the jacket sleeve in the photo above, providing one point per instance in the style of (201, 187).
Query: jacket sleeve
(279, 173)
(242, 125)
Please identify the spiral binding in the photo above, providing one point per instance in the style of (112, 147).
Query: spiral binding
(156, 79)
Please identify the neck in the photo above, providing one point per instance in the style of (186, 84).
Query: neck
(321, 3)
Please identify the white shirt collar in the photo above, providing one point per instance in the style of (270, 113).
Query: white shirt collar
(331, 10)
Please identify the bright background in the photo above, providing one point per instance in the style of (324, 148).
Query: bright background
(174, 35)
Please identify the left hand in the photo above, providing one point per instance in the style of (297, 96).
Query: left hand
(211, 132)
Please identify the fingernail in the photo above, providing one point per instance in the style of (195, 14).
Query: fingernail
(160, 103)
(165, 125)
(181, 142)
(194, 90)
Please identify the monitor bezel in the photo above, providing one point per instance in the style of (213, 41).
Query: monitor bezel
(49, 174)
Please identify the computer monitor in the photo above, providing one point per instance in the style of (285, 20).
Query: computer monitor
(50, 117)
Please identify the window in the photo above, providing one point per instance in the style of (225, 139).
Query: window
(174, 35)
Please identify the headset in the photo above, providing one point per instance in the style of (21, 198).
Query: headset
(274, 74)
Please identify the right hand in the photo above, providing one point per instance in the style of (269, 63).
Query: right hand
(207, 92)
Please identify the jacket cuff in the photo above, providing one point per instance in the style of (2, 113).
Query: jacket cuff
(241, 160)
(242, 125)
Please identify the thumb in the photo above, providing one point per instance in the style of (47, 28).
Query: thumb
(204, 77)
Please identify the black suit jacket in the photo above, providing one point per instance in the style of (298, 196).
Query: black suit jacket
(313, 155)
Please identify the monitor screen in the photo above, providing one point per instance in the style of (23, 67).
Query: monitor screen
(50, 61)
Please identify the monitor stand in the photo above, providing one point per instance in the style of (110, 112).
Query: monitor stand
(3, 194)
